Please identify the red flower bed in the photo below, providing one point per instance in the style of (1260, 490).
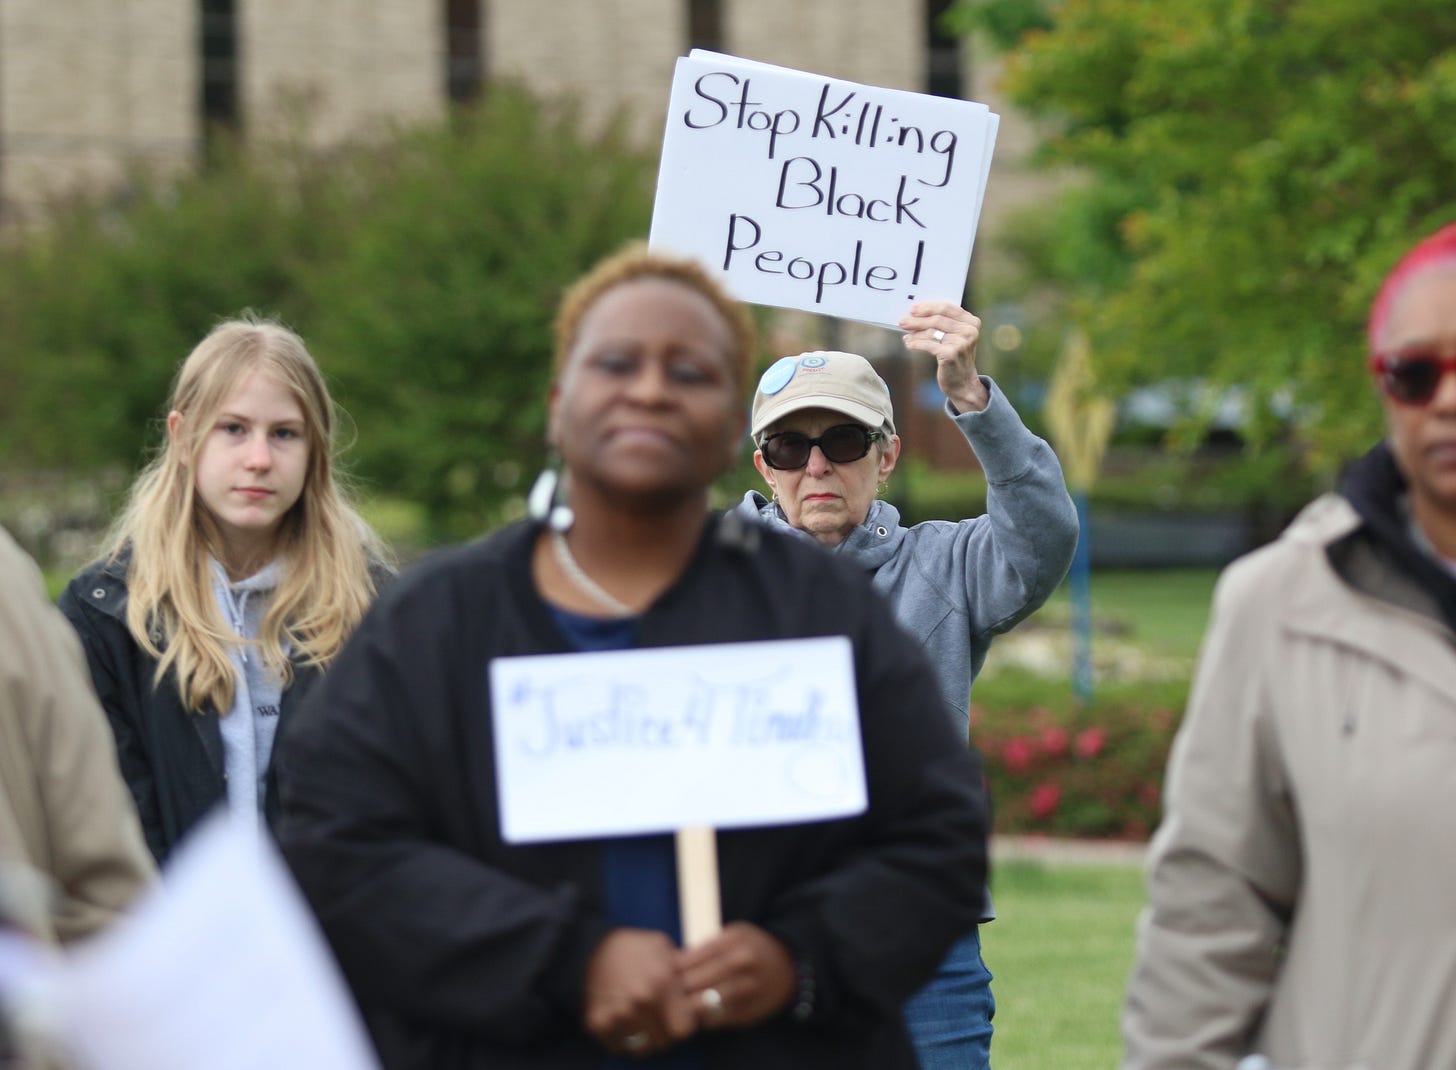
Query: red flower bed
(1093, 771)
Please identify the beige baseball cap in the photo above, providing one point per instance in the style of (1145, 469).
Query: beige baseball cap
(840, 382)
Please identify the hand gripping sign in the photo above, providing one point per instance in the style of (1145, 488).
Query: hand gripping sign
(820, 194)
(684, 739)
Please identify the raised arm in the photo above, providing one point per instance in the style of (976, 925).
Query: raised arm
(1008, 561)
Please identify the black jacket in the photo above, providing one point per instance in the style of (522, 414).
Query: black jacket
(468, 953)
(1383, 547)
(172, 759)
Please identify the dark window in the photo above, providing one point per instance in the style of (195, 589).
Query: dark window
(705, 24)
(219, 48)
(464, 70)
(942, 53)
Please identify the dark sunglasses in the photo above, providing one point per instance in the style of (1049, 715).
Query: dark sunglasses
(841, 444)
(1411, 377)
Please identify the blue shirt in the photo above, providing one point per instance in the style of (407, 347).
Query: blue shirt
(639, 873)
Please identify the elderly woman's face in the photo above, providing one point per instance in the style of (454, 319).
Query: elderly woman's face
(646, 407)
(1423, 437)
(826, 499)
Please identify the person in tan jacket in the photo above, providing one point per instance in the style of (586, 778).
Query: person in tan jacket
(72, 854)
(1302, 886)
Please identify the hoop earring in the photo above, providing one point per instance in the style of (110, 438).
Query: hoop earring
(881, 489)
(542, 504)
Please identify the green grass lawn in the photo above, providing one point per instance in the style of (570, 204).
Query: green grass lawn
(1147, 626)
(1060, 950)
(1062, 944)
(55, 582)
(1163, 608)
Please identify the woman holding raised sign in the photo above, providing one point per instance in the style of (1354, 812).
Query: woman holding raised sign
(466, 950)
(825, 430)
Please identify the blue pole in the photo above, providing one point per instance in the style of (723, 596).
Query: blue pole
(1081, 592)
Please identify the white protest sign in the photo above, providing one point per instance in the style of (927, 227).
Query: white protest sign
(815, 193)
(638, 741)
(226, 920)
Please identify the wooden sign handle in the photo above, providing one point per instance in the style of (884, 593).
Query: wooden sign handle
(697, 884)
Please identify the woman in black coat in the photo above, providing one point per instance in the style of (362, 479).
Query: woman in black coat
(467, 951)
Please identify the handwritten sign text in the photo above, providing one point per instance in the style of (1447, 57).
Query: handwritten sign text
(653, 740)
(815, 193)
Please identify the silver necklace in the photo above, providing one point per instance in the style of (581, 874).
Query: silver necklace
(584, 583)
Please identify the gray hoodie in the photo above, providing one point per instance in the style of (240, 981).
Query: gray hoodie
(955, 584)
(248, 728)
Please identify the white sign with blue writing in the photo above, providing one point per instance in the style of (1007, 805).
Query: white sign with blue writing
(820, 194)
(626, 742)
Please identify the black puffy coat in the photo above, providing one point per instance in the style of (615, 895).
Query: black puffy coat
(468, 953)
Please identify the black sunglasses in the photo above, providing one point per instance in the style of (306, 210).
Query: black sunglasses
(1411, 377)
(841, 444)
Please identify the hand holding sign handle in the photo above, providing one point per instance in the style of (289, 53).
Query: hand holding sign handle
(697, 884)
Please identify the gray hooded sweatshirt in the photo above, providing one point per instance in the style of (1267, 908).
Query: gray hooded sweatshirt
(248, 728)
(954, 585)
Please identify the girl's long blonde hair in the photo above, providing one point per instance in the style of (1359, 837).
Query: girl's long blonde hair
(169, 534)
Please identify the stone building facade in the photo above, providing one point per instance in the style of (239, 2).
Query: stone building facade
(89, 86)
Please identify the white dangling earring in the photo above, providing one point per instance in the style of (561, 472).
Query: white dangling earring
(542, 505)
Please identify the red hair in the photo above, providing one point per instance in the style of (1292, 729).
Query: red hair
(1438, 249)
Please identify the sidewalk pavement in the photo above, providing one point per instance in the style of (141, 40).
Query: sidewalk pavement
(1049, 849)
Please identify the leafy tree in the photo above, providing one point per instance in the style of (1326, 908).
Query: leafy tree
(99, 304)
(435, 310)
(1249, 170)
(422, 267)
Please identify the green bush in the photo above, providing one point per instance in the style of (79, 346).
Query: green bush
(435, 312)
(99, 305)
(422, 267)
(1064, 769)
(1268, 485)
(923, 493)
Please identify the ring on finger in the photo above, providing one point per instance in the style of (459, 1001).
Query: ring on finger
(636, 1042)
(712, 1001)
(938, 335)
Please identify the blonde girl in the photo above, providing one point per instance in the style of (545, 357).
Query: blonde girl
(229, 581)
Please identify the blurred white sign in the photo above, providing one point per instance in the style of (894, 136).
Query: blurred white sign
(820, 194)
(639, 741)
(221, 966)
